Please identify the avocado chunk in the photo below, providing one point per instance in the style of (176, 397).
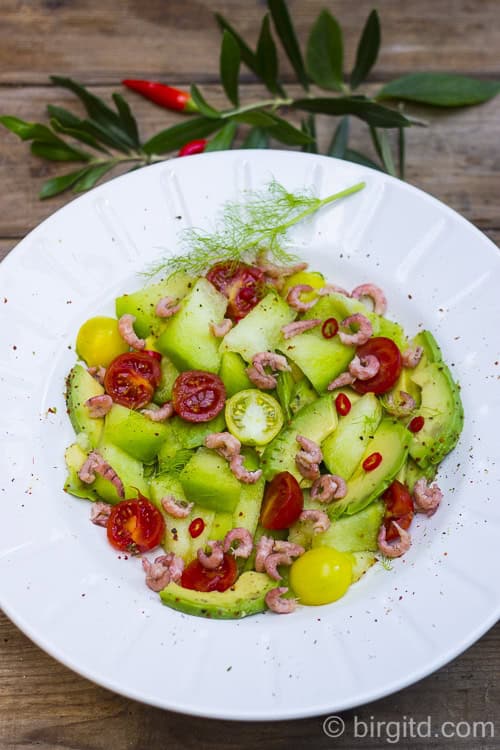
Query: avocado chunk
(142, 303)
(75, 457)
(314, 421)
(356, 533)
(134, 433)
(246, 597)
(344, 448)
(80, 386)
(260, 330)
(187, 339)
(362, 562)
(390, 440)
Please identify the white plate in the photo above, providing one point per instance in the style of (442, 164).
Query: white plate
(68, 591)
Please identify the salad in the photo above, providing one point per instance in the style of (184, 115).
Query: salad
(271, 433)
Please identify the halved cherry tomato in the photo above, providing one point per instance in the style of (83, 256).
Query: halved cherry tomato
(398, 507)
(132, 378)
(135, 526)
(283, 502)
(242, 284)
(196, 577)
(198, 396)
(389, 357)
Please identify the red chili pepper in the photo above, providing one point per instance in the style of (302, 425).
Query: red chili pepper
(343, 404)
(416, 424)
(160, 93)
(329, 328)
(196, 527)
(372, 461)
(193, 147)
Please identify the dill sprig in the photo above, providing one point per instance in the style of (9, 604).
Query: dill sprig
(385, 562)
(243, 229)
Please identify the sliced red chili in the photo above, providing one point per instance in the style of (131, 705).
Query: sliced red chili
(343, 404)
(329, 328)
(196, 527)
(416, 424)
(372, 461)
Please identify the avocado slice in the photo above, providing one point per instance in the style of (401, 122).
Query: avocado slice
(356, 533)
(80, 386)
(246, 597)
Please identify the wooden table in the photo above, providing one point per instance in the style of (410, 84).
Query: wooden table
(99, 42)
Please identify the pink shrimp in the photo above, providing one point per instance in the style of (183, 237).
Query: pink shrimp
(405, 406)
(98, 373)
(174, 563)
(411, 357)
(332, 289)
(308, 459)
(375, 293)
(273, 560)
(241, 473)
(328, 487)
(100, 513)
(224, 443)
(263, 550)
(95, 464)
(318, 518)
(299, 326)
(364, 368)
(126, 330)
(176, 508)
(214, 558)
(244, 541)
(256, 371)
(289, 548)
(341, 381)
(396, 548)
(161, 414)
(99, 406)
(276, 603)
(157, 574)
(363, 333)
(166, 307)
(426, 497)
(278, 272)
(219, 330)
(293, 297)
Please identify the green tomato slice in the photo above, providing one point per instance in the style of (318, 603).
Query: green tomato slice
(254, 417)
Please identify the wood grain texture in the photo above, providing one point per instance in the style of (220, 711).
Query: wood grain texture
(104, 40)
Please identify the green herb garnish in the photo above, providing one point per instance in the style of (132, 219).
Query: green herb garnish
(244, 229)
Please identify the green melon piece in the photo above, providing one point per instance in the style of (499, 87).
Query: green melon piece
(142, 303)
(134, 433)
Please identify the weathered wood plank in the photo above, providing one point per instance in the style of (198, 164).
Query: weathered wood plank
(455, 159)
(61, 709)
(135, 38)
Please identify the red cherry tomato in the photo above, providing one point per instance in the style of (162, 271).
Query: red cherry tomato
(283, 502)
(196, 577)
(135, 526)
(198, 396)
(131, 379)
(389, 357)
(343, 404)
(196, 527)
(398, 507)
(242, 284)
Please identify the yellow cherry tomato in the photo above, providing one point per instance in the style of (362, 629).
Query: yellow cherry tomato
(99, 342)
(312, 278)
(321, 575)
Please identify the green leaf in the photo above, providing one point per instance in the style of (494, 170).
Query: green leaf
(286, 32)
(440, 89)
(255, 118)
(309, 128)
(204, 107)
(127, 118)
(30, 131)
(358, 158)
(367, 51)
(383, 149)
(92, 175)
(230, 58)
(367, 110)
(285, 132)
(256, 138)
(67, 120)
(99, 112)
(267, 58)
(58, 152)
(177, 135)
(58, 185)
(224, 138)
(247, 56)
(284, 391)
(78, 134)
(325, 52)
(401, 152)
(340, 139)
